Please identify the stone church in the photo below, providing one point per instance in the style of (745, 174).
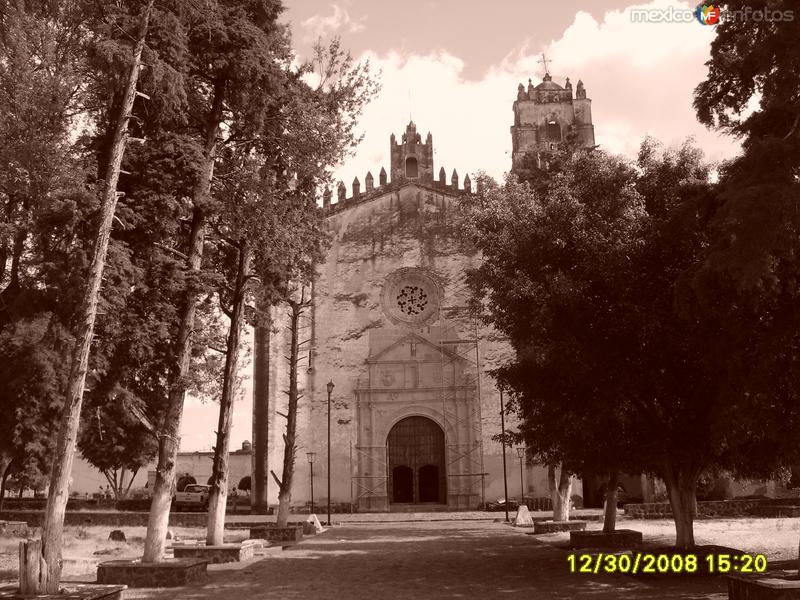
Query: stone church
(413, 409)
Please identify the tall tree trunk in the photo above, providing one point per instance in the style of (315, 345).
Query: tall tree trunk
(560, 492)
(610, 512)
(682, 490)
(259, 499)
(53, 526)
(6, 471)
(289, 439)
(218, 496)
(169, 435)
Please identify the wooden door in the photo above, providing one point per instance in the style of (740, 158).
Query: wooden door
(416, 452)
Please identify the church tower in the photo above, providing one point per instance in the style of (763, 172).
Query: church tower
(411, 159)
(547, 115)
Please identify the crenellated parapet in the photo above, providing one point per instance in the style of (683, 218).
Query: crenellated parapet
(411, 162)
(343, 201)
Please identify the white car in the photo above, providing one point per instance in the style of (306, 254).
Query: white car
(193, 496)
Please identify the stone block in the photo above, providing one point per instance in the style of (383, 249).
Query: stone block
(223, 553)
(170, 573)
(558, 526)
(523, 518)
(117, 535)
(277, 534)
(313, 523)
(14, 528)
(769, 586)
(69, 591)
(621, 538)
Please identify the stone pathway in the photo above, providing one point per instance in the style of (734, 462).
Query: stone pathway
(436, 560)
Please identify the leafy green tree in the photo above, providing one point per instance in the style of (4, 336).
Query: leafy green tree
(113, 440)
(594, 278)
(271, 227)
(746, 288)
(567, 248)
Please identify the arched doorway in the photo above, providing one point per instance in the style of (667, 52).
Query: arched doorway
(416, 451)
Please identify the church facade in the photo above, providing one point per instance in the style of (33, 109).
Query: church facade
(413, 409)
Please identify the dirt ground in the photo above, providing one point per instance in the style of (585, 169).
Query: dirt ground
(442, 559)
(777, 539)
(85, 547)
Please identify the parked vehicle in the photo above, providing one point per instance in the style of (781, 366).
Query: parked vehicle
(194, 496)
(500, 505)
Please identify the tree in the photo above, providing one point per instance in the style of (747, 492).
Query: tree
(234, 59)
(52, 528)
(271, 227)
(745, 289)
(566, 246)
(592, 278)
(113, 440)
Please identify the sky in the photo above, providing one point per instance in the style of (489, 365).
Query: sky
(454, 67)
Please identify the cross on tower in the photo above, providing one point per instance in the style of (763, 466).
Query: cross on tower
(543, 61)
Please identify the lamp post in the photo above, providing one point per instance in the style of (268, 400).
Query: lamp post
(311, 456)
(521, 455)
(330, 391)
(503, 441)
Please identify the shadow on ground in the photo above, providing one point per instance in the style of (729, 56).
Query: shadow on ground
(434, 561)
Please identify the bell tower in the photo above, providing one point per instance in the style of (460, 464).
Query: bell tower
(547, 115)
(411, 159)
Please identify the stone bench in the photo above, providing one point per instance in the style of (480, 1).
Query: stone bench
(170, 573)
(769, 586)
(621, 538)
(69, 591)
(13, 528)
(223, 553)
(276, 534)
(558, 526)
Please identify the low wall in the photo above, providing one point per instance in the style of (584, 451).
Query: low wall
(737, 507)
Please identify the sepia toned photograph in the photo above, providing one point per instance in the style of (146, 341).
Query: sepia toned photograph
(350, 299)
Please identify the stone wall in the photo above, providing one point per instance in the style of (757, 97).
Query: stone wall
(713, 508)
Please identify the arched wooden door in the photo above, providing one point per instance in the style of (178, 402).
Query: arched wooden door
(415, 447)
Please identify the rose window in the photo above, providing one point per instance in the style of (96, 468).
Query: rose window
(412, 300)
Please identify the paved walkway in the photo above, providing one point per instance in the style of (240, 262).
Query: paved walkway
(438, 560)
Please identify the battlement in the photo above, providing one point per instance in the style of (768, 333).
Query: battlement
(343, 201)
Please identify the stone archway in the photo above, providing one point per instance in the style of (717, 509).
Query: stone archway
(415, 449)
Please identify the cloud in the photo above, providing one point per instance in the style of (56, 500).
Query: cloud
(337, 23)
(640, 77)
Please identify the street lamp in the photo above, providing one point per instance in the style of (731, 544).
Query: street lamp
(521, 455)
(503, 441)
(311, 456)
(330, 391)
